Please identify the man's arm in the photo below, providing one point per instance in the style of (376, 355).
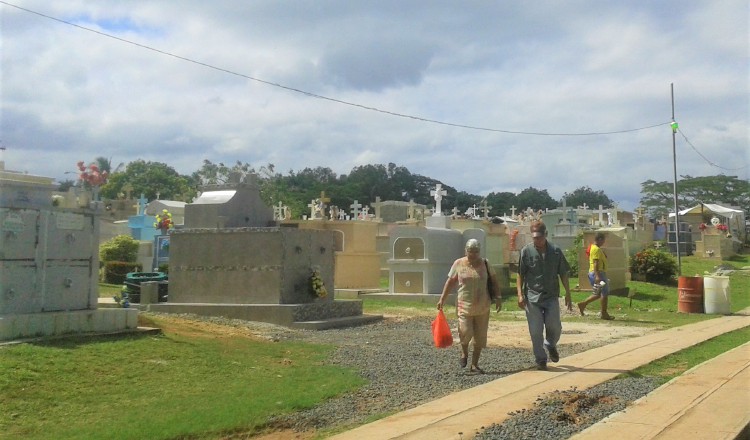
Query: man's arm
(566, 284)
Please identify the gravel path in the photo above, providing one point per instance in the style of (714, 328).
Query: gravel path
(405, 370)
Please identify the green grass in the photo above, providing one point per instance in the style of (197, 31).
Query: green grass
(675, 364)
(186, 382)
(109, 290)
(191, 382)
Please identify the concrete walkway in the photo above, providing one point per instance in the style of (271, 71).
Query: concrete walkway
(461, 415)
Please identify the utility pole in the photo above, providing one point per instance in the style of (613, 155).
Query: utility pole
(675, 126)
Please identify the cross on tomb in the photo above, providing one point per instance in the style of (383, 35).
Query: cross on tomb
(278, 212)
(158, 193)
(584, 206)
(455, 211)
(142, 205)
(355, 209)
(377, 205)
(513, 211)
(485, 208)
(639, 216)
(601, 212)
(438, 194)
(365, 211)
(323, 197)
(613, 215)
(410, 212)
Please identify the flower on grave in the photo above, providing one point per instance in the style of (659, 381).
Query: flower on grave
(91, 175)
(702, 226)
(317, 287)
(164, 220)
(722, 227)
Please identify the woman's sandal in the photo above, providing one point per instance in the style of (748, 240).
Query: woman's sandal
(475, 369)
(462, 362)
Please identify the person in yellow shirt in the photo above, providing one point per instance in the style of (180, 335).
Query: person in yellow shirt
(597, 277)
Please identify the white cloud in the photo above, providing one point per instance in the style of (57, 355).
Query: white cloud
(573, 67)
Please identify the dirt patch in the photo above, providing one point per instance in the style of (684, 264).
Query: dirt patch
(516, 334)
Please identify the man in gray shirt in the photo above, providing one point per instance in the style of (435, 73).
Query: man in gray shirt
(540, 265)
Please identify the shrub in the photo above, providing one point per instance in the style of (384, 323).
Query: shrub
(655, 265)
(116, 271)
(571, 254)
(120, 248)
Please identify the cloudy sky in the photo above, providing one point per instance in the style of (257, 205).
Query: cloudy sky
(481, 95)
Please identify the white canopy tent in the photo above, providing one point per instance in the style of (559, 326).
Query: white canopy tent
(735, 218)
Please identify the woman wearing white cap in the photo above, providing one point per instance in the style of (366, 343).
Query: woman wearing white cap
(470, 274)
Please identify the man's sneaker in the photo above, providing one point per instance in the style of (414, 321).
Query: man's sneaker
(554, 356)
(541, 366)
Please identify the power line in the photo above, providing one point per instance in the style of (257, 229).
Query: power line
(327, 98)
(705, 158)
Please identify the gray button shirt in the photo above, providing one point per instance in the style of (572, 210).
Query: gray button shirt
(541, 273)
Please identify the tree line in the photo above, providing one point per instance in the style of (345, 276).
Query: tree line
(364, 183)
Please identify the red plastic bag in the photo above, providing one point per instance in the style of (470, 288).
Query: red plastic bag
(441, 331)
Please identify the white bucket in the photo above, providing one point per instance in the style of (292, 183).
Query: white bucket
(716, 295)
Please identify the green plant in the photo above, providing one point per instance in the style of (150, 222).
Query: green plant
(164, 268)
(571, 254)
(119, 248)
(655, 265)
(114, 272)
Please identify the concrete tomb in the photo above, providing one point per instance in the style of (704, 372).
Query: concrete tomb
(421, 257)
(257, 273)
(49, 262)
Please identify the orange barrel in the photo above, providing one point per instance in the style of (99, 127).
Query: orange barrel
(690, 294)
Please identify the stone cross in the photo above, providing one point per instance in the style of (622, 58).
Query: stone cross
(513, 211)
(278, 212)
(567, 211)
(455, 211)
(613, 215)
(142, 205)
(584, 206)
(411, 210)
(313, 205)
(342, 214)
(355, 209)
(640, 215)
(377, 205)
(365, 211)
(601, 212)
(323, 197)
(157, 195)
(438, 194)
(485, 208)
